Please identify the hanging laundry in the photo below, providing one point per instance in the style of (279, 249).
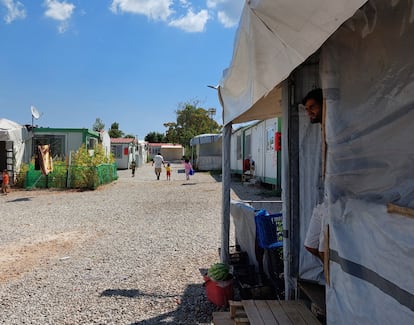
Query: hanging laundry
(45, 159)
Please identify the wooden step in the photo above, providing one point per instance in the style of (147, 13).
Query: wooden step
(265, 312)
(224, 318)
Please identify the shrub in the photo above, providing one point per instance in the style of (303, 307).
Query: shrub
(84, 173)
(21, 175)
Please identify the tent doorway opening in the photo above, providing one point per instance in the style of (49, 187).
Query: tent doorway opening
(3, 155)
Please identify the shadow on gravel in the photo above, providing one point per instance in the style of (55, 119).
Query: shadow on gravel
(247, 191)
(21, 199)
(129, 293)
(189, 184)
(194, 308)
(121, 292)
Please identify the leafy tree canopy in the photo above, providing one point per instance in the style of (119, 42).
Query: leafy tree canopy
(191, 121)
(114, 131)
(155, 137)
(98, 125)
(130, 136)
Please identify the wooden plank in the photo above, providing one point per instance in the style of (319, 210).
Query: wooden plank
(307, 314)
(326, 256)
(324, 144)
(278, 312)
(241, 321)
(265, 312)
(289, 307)
(222, 318)
(314, 292)
(234, 306)
(252, 312)
(405, 211)
(221, 315)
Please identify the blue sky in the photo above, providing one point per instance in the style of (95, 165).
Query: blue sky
(126, 61)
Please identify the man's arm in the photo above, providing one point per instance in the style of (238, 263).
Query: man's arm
(315, 252)
(312, 250)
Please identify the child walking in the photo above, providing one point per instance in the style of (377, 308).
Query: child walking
(5, 185)
(187, 167)
(168, 170)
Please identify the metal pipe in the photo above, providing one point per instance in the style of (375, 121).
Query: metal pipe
(226, 183)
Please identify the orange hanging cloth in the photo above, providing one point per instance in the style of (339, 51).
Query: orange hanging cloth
(45, 159)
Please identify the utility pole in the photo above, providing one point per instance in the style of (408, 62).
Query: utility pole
(211, 113)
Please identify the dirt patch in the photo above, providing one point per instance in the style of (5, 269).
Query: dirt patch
(16, 259)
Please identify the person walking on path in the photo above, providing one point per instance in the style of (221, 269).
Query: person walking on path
(168, 171)
(187, 168)
(133, 167)
(157, 162)
(5, 185)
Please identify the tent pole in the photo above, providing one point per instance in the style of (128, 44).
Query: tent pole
(226, 180)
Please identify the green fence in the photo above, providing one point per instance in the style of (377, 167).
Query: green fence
(86, 177)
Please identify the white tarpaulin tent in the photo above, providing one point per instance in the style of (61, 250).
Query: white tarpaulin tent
(12, 131)
(273, 38)
(366, 73)
(15, 136)
(367, 76)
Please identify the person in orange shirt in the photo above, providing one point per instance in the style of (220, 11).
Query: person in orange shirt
(5, 185)
(168, 170)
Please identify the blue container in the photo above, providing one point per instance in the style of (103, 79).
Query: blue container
(269, 229)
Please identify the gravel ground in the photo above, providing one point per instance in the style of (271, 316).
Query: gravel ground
(131, 252)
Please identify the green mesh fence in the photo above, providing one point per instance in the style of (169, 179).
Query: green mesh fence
(88, 177)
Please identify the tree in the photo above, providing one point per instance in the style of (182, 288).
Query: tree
(155, 137)
(129, 136)
(191, 121)
(114, 131)
(172, 133)
(98, 125)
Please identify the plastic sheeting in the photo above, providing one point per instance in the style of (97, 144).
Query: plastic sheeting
(208, 151)
(368, 81)
(12, 131)
(205, 138)
(245, 232)
(371, 276)
(106, 142)
(16, 134)
(273, 38)
(367, 74)
(245, 228)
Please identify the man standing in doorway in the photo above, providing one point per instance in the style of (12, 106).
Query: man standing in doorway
(313, 102)
(157, 161)
(314, 239)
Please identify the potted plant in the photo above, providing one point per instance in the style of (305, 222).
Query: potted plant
(219, 284)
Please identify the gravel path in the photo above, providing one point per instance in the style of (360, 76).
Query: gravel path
(131, 252)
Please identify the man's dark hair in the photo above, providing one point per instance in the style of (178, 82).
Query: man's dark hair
(315, 94)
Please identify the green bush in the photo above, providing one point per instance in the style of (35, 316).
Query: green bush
(87, 170)
(21, 175)
(84, 169)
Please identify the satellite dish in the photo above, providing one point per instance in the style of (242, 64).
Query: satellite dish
(35, 112)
